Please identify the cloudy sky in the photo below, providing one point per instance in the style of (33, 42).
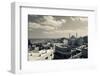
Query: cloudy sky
(41, 26)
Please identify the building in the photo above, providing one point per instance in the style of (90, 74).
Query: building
(72, 41)
(79, 41)
(62, 52)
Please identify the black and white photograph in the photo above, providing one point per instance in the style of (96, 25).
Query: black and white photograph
(52, 37)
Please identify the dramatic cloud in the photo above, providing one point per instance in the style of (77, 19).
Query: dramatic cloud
(56, 26)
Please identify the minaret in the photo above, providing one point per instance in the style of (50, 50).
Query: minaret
(69, 35)
(76, 35)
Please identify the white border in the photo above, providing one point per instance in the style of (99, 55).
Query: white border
(17, 34)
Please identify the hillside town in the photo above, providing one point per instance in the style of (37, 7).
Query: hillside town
(72, 47)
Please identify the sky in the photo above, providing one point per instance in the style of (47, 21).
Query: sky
(46, 26)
